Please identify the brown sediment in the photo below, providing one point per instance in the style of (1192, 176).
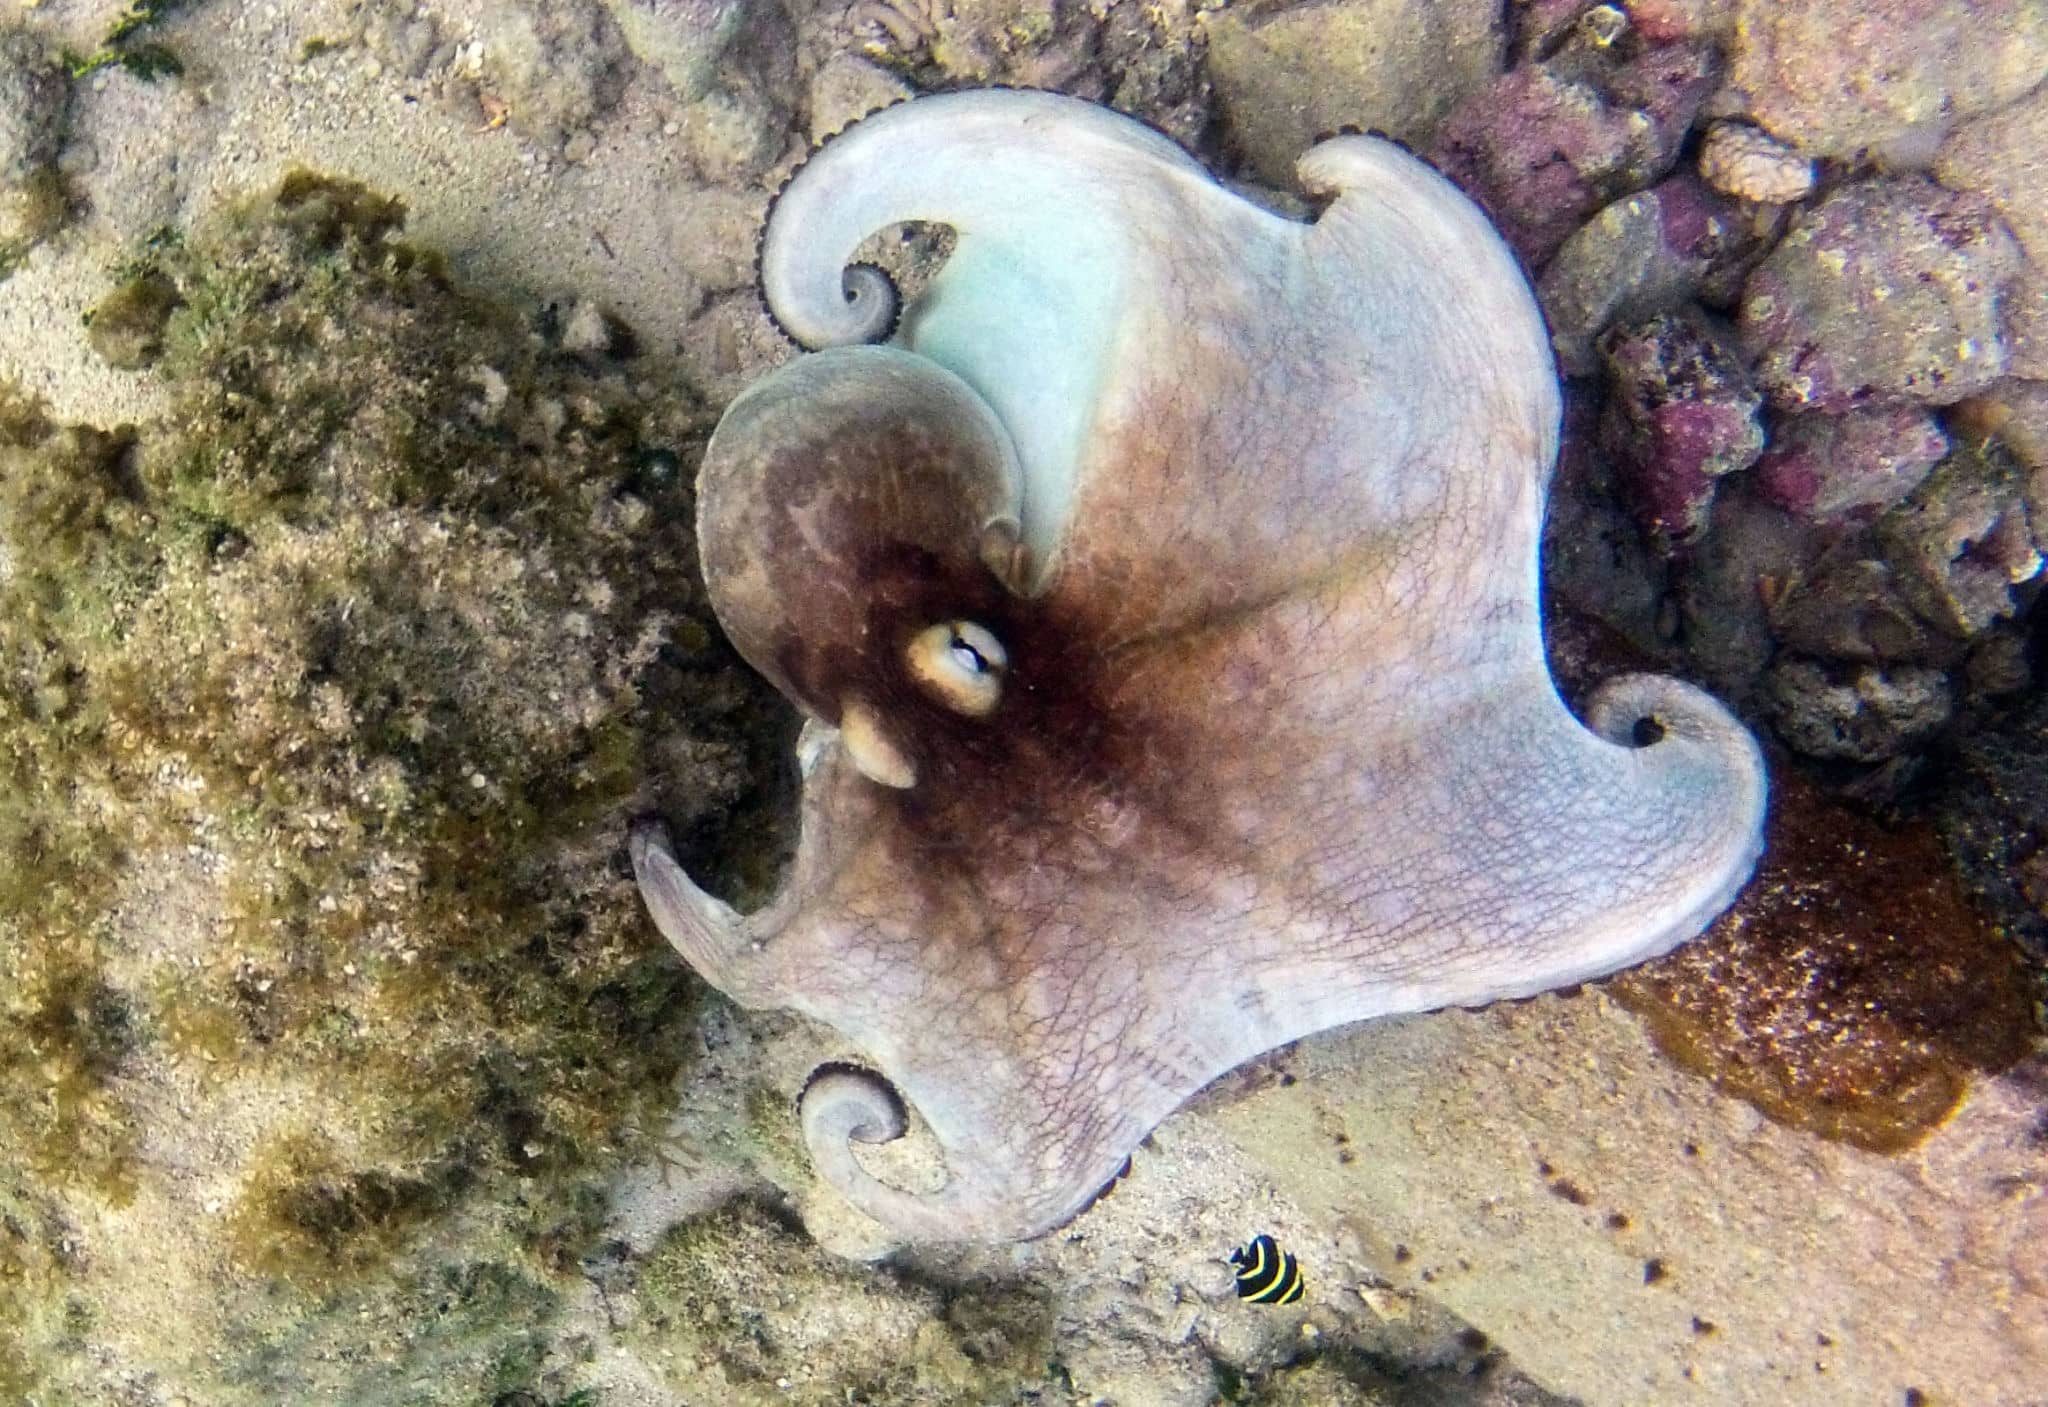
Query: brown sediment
(1852, 991)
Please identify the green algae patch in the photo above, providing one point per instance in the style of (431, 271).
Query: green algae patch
(324, 703)
(1853, 991)
(45, 1320)
(30, 212)
(306, 1204)
(124, 45)
(126, 327)
(460, 1332)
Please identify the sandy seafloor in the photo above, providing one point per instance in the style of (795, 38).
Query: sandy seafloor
(1708, 1255)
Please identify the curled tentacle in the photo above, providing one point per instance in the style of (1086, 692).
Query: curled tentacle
(995, 164)
(1692, 754)
(1549, 853)
(1047, 272)
(980, 1199)
(841, 1107)
(1474, 315)
(872, 305)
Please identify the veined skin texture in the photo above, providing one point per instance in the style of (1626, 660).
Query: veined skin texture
(1249, 509)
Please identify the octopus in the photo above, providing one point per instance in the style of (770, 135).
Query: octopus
(1160, 589)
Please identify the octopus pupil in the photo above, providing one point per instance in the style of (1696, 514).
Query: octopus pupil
(968, 656)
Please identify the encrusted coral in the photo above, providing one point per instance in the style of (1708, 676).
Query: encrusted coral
(1828, 466)
(1547, 144)
(1885, 290)
(1885, 76)
(1750, 164)
(1645, 254)
(1681, 415)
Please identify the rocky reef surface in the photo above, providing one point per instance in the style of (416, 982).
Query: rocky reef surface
(356, 357)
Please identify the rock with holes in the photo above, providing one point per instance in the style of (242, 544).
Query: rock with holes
(1857, 712)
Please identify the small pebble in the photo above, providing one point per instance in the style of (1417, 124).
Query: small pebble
(1750, 164)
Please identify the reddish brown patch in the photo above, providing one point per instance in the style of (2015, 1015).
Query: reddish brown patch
(1852, 990)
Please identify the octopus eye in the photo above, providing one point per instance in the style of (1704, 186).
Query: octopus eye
(960, 664)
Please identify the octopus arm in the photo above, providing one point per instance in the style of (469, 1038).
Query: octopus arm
(740, 954)
(1068, 219)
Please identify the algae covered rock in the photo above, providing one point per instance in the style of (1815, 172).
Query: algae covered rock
(681, 39)
(1840, 79)
(1681, 415)
(35, 99)
(1963, 543)
(741, 1307)
(1995, 818)
(323, 703)
(1546, 144)
(1829, 466)
(1025, 43)
(2004, 157)
(1645, 254)
(1886, 290)
(126, 328)
(1288, 75)
(556, 66)
(1858, 713)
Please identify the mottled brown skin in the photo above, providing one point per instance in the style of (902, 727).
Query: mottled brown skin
(835, 514)
(1251, 507)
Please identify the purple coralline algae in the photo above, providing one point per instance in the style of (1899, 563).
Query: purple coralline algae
(1834, 501)
(1826, 466)
(1681, 414)
(1547, 144)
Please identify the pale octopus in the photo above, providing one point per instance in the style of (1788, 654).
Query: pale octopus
(1162, 595)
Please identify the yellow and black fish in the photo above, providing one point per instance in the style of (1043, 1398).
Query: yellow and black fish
(1265, 1273)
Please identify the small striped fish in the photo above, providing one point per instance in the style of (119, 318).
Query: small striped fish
(1265, 1273)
